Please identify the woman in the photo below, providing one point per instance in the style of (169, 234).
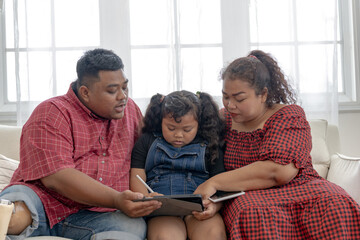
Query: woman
(268, 144)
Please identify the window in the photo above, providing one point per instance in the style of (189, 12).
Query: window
(175, 46)
(303, 35)
(169, 45)
(51, 37)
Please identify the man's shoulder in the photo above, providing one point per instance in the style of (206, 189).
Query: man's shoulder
(62, 101)
(55, 110)
(132, 110)
(49, 106)
(132, 106)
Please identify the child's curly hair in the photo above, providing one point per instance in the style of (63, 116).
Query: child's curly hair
(178, 104)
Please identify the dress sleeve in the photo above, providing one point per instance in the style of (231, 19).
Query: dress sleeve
(140, 150)
(287, 138)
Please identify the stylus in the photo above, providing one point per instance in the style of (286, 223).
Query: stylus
(142, 181)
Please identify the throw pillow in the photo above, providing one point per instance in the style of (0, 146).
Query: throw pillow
(345, 172)
(319, 153)
(7, 168)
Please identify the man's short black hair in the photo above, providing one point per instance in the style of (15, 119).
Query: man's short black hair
(93, 61)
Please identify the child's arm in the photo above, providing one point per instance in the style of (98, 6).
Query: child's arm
(135, 184)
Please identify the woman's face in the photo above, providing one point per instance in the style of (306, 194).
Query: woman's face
(241, 102)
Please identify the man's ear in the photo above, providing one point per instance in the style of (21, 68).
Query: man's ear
(84, 93)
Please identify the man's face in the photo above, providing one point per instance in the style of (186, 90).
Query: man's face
(107, 97)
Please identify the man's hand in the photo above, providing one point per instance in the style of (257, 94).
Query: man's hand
(124, 202)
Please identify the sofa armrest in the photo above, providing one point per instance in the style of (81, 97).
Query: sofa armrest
(333, 139)
(10, 141)
(345, 172)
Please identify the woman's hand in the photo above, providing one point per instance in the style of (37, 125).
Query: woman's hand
(210, 210)
(206, 189)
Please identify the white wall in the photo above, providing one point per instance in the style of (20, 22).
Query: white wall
(349, 128)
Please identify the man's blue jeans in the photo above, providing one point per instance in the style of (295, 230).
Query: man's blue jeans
(81, 225)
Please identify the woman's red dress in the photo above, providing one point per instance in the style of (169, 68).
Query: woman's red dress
(308, 207)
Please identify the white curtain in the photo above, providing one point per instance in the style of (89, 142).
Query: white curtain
(320, 100)
(22, 59)
(324, 103)
(179, 48)
(310, 61)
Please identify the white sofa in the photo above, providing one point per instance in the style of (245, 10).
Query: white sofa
(342, 170)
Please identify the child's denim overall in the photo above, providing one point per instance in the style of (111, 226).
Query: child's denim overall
(171, 170)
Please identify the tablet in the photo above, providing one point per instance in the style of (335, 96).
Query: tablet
(176, 205)
(222, 196)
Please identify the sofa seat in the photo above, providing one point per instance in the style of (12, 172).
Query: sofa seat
(327, 160)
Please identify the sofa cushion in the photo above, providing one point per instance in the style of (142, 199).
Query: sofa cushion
(7, 168)
(319, 153)
(345, 172)
(10, 141)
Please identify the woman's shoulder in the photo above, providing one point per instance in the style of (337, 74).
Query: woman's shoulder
(286, 111)
(287, 115)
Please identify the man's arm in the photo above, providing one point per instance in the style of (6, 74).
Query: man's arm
(81, 188)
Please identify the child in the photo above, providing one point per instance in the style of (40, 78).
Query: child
(179, 149)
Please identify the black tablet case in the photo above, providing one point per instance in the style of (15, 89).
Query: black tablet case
(176, 205)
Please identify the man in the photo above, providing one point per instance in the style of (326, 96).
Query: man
(73, 177)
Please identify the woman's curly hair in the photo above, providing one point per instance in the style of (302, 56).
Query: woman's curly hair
(178, 104)
(261, 71)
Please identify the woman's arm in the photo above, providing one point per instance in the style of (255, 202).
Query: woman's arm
(257, 175)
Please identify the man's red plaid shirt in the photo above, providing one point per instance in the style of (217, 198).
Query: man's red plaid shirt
(62, 133)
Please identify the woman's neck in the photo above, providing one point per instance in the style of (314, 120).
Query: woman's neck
(258, 122)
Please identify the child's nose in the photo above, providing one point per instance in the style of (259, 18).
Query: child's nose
(178, 134)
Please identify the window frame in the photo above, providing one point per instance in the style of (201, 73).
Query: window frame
(351, 72)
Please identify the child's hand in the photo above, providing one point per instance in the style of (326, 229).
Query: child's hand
(210, 210)
(154, 194)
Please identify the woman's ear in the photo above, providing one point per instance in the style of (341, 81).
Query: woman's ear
(84, 93)
(264, 94)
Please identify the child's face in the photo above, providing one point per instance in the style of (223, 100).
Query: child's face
(182, 133)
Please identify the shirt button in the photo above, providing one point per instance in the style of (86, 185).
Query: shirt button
(102, 162)
(104, 154)
(59, 218)
(102, 138)
(100, 179)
